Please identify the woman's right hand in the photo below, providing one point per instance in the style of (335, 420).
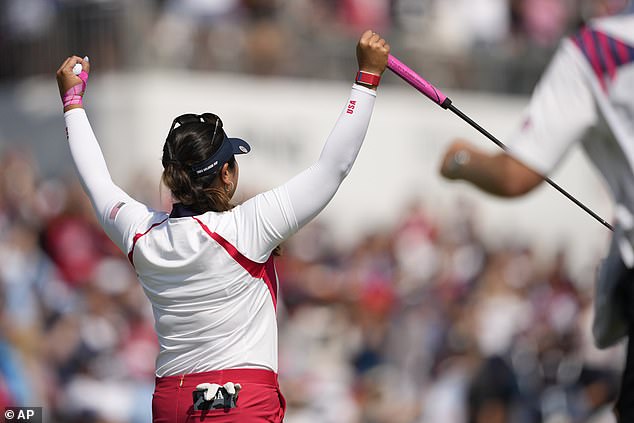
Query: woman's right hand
(67, 80)
(372, 52)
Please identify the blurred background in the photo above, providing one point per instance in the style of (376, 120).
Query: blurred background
(410, 299)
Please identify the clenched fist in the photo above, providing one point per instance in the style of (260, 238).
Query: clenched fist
(372, 52)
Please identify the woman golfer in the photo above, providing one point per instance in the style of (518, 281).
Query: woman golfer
(207, 266)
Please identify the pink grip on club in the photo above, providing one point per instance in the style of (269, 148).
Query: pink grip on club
(417, 81)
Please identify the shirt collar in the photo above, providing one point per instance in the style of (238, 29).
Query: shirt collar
(181, 210)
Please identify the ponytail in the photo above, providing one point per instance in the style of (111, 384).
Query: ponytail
(185, 146)
(198, 194)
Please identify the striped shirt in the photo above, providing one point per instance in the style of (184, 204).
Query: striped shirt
(587, 95)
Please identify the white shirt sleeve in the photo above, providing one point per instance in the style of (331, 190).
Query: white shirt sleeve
(116, 211)
(561, 111)
(273, 216)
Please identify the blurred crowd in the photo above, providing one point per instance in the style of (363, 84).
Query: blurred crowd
(497, 45)
(422, 322)
(419, 322)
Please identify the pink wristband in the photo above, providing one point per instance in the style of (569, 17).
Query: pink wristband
(75, 94)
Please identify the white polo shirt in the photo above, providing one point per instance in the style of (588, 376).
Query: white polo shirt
(587, 95)
(210, 277)
(211, 281)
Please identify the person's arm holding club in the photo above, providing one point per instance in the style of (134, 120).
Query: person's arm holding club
(560, 113)
(498, 174)
(346, 138)
(276, 214)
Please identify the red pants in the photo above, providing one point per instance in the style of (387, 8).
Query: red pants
(259, 401)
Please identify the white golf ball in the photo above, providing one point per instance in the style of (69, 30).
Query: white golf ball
(77, 68)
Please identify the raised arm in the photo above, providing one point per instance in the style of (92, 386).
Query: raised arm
(282, 211)
(310, 191)
(108, 200)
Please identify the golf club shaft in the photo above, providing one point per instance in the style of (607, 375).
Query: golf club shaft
(547, 179)
(443, 101)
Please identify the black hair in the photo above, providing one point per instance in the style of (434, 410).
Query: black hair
(186, 145)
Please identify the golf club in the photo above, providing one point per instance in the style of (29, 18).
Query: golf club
(435, 95)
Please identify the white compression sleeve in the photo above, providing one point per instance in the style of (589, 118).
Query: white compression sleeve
(90, 164)
(310, 191)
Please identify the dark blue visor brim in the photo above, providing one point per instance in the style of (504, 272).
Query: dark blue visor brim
(239, 146)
